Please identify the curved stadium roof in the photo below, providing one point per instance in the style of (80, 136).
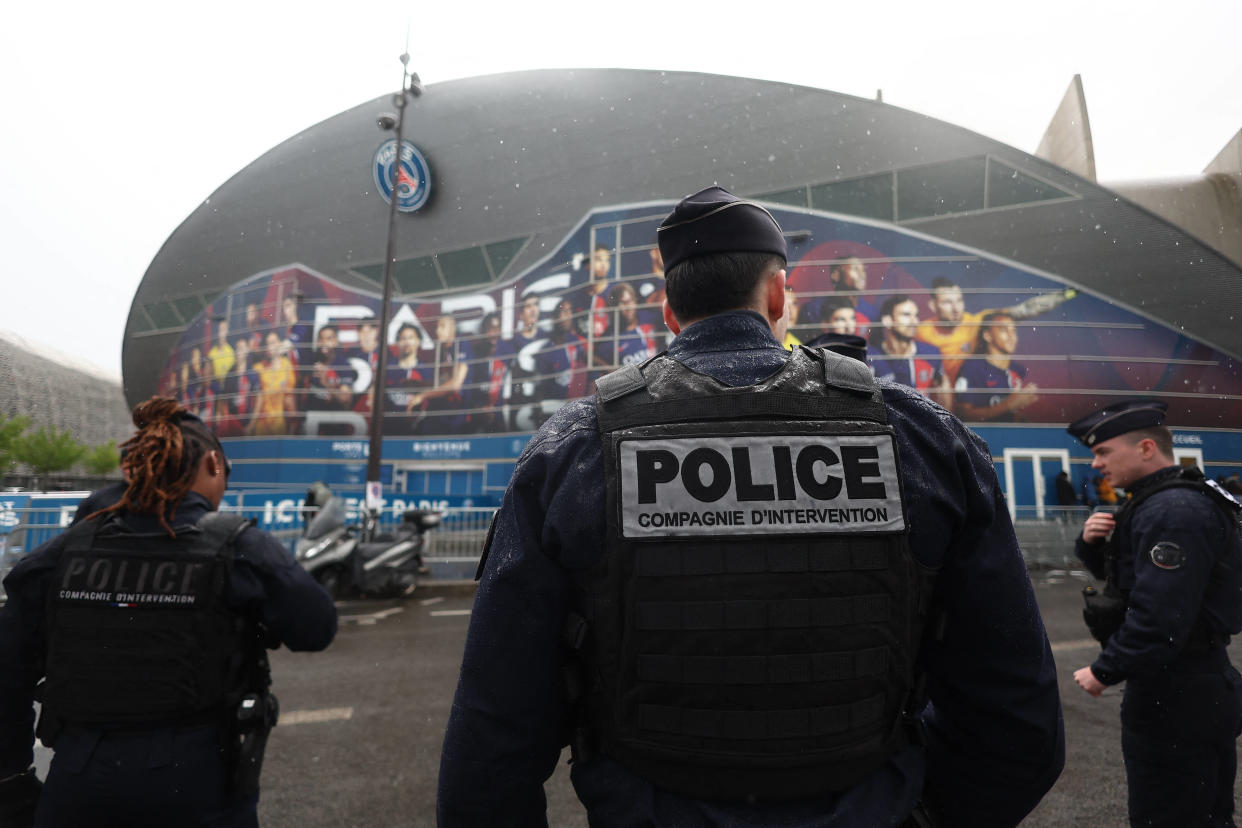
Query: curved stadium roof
(517, 159)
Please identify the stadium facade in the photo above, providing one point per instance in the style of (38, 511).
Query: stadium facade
(55, 391)
(525, 267)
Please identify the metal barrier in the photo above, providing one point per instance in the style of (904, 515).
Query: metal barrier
(457, 540)
(1046, 543)
(460, 536)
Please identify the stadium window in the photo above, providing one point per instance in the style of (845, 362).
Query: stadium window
(163, 316)
(940, 189)
(463, 268)
(415, 275)
(500, 254)
(142, 323)
(870, 197)
(1007, 186)
(794, 198)
(188, 307)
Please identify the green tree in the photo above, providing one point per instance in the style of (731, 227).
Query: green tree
(11, 429)
(48, 450)
(102, 458)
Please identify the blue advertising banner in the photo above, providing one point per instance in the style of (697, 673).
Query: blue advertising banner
(10, 517)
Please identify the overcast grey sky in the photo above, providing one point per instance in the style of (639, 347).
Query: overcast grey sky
(120, 118)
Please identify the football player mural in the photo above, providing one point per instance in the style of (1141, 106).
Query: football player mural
(991, 341)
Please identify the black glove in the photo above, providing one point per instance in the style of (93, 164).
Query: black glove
(19, 796)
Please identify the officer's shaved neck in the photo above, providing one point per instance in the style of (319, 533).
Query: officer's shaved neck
(211, 480)
(768, 301)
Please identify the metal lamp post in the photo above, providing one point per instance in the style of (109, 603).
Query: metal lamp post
(411, 87)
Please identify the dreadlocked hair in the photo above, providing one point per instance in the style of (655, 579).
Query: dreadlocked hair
(161, 461)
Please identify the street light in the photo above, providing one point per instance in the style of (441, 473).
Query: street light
(411, 87)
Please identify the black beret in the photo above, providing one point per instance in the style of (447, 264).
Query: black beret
(716, 221)
(1117, 419)
(850, 345)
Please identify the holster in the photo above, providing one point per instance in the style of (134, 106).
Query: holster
(255, 717)
(49, 725)
(1103, 611)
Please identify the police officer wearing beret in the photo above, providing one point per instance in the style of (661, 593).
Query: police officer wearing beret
(751, 586)
(143, 631)
(1172, 558)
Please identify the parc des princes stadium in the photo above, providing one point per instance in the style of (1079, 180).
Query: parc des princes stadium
(525, 267)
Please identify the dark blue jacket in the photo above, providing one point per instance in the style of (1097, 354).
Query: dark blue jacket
(1165, 600)
(99, 499)
(266, 585)
(996, 735)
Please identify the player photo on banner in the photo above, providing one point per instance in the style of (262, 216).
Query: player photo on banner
(290, 351)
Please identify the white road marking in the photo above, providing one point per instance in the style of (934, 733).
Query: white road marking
(326, 714)
(450, 612)
(1076, 644)
(426, 602)
(370, 618)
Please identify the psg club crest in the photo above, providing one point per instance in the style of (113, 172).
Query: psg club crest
(413, 176)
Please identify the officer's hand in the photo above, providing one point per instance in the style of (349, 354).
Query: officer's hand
(1087, 681)
(19, 796)
(1098, 526)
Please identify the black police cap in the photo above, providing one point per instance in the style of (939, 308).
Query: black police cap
(716, 221)
(1117, 419)
(850, 345)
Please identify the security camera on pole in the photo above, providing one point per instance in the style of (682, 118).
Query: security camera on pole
(411, 87)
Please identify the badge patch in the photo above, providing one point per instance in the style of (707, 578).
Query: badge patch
(759, 485)
(1167, 555)
(130, 582)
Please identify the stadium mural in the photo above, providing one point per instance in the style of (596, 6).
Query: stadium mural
(290, 352)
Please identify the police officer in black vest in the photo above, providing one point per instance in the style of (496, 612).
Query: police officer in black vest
(1172, 562)
(143, 631)
(750, 586)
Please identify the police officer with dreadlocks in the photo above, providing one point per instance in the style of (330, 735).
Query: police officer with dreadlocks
(750, 586)
(143, 631)
(1172, 562)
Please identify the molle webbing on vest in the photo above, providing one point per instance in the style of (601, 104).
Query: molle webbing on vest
(751, 635)
(1202, 633)
(691, 558)
(764, 725)
(761, 669)
(782, 396)
(789, 614)
(137, 629)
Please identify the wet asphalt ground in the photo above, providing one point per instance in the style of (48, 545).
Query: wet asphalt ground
(362, 723)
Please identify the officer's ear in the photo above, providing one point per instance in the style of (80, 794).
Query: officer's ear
(670, 320)
(774, 287)
(1147, 448)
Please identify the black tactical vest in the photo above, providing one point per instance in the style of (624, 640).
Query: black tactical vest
(137, 630)
(1222, 571)
(753, 627)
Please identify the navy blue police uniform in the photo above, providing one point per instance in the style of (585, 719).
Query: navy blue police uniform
(1175, 561)
(980, 747)
(151, 768)
(99, 499)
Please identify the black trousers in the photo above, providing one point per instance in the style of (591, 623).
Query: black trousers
(1178, 733)
(158, 778)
